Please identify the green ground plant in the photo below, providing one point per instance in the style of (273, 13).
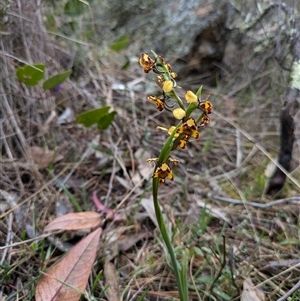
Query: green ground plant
(31, 75)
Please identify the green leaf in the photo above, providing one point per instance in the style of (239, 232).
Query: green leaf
(31, 75)
(199, 92)
(51, 23)
(120, 44)
(75, 7)
(92, 117)
(126, 65)
(56, 80)
(289, 242)
(106, 121)
(221, 294)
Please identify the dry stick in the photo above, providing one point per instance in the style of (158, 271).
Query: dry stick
(62, 246)
(239, 153)
(223, 264)
(33, 194)
(287, 123)
(7, 252)
(287, 138)
(86, 153)
(231, 264)
(113, 173)
(290, 292)
(288, 11)
(260, 147)
(280, 274)
(9, 238)
(293, 200)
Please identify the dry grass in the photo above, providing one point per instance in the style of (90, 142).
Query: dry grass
(232, 241)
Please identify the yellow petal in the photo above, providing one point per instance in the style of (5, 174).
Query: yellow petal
(170, 176)
(162, 129)
(165, 167)
(174, 161)
(167, 86)
(190, 97)
(191, 123)
(182, 144)
(149, 160)
(179, 113)
(206, 107)
(195, 134)
(171, 129)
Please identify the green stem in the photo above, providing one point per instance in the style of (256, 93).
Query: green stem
(178, 99)
(167, 148)
(163, 156)
(183, 295)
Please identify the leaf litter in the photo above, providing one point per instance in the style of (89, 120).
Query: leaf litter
(253, 236)
(68, 278)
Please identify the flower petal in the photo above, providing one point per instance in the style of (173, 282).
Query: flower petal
(179, 113)
(146, 62)
(206, 106)
(182, 144)
(159, 102)
(162, 172)
(205, 120)
(167, 86)
(190, 97)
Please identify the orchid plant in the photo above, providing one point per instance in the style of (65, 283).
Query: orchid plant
(191, 115)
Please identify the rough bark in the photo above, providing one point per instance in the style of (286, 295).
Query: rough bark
(188, 32)
(287, 124)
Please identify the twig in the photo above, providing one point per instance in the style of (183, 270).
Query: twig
(260, 147)
(87, 152)
(290, 292)
(34, 194)
(223, 264)
(293, 200)
(287, 123)
(239, 153)
(283, 6)
(231, 263)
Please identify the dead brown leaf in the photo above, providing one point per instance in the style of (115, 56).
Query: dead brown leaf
(75, 221)
(125, 243)
(112, 281)
(67, 279)
(149, 207)
(44, 157)
(250, 292)
(141, 155)
(203, 10)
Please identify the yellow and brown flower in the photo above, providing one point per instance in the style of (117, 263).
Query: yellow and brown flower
(162, 172)
(206, 106)
(189, 129)
(205, 120)
(146, 62)
(158, 101)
